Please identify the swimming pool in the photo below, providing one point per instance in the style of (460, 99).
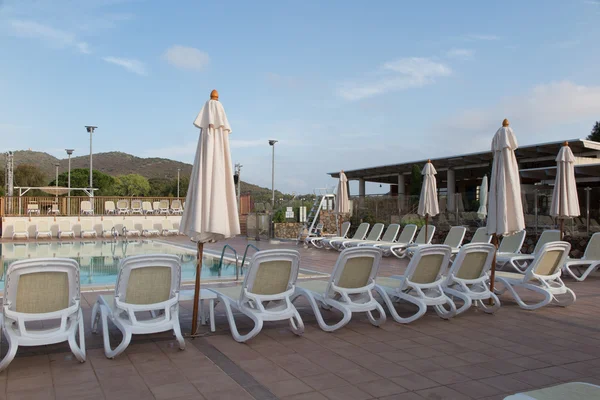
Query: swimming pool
(99, 260)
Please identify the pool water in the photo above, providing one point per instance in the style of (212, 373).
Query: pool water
(99, 261)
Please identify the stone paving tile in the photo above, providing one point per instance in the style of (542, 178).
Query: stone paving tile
(381, 388)
(346, 393)
(442, 393)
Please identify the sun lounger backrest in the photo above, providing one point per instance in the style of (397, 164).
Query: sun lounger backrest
(176, 204)
(147, 224)
(136, 204)
(164, 204)
(86, 205)
(428, 264)
(481, 236)
(390, 233)
(592, 251)
(345, 229)
(86, 225)
(42, 226)
(156, 205)
(109, 205)
(146, 206)
(421, 236)
(122, 204)
(376, 231)
(547, 236)
(272, 272)
(64, 225)
(512, 243)
(356, 267)
(473, 261)
(20, 226)
(41, 285)
(148, 279)
(549, 260)
(455, 236)
(408, 233)
(361, 232)
(107, 225)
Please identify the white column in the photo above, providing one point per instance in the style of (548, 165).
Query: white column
(361, 187)
(451, 187)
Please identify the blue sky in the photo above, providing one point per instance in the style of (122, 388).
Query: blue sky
(340, 84)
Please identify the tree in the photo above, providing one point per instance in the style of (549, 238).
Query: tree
(80, 178)
(29, 175)
(595, 133)
(416, 181)
(133, 185)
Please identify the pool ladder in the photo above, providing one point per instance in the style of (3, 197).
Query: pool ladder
(237, 266)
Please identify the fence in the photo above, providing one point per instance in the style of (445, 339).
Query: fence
(64, 205)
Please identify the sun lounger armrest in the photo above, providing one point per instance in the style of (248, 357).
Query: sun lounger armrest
(131, 309)
(344, 291)
(259, 298)
(21, 318)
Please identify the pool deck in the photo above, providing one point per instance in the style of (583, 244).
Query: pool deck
(473, 356)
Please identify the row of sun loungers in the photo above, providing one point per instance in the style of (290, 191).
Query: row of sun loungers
(144, 207)
(109, 229)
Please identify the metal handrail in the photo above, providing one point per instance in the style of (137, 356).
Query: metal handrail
(236, 260)
(246, 251)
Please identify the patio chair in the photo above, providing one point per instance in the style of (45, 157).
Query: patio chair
(265, 294)
(20, 229)
(86, 208)
(335, 242)
(156, 207)
(65, 229)
(87, 228)
(109, 207)
(406, 237)
(420, 285)
(33, 208)
(590, 260)
(168, 228)
(123, 207)
(148, 228)
(453, 239)
(468, 277)
(542, 276)
(348, 288)
(147, 208)
(399, 249)
(129, 228)
(40, 290)
(481, 236)
(163, 207)
(42, 229)
(108, 229)
(136, 207)
(53, 209)
(373, 236)
(176, 207)
(520, 261)
(389, 236)
(316, 241)
(564, 391)
(146, 284)
(510, 245)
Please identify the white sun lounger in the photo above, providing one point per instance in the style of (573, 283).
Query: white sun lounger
(65, 229)
(420, 285)
(399, 249)
(20, 230)
(317, 241)
(406, 237)
(109, 207)
(122, 207)
(453, 239)
(265, 294)
(108, 229)
(389, 236)
(146, 284)
(129, 228)
(542, 276)
(42, 229)
(163, 207)
(87, 228)
(373, 236)
(481, 236)
(156, 207)
(564, 391)
(148, 228)
(348, 288)
(136, 207)
(40, 290)
(520, 261)
(590, 260)
(176, 207)
(86, 208)
(509, 247)
(468, 277)
(335, 242)
(168, 228)
(147, 208)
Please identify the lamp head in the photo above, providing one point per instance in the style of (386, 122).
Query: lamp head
(90, 129)
(69, 151)
(272, 142)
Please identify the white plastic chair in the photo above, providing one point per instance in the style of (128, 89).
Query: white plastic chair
(468, 277)
(136, 207)
(590, 260)
(39, 290)
(373, 236)
(176, 207)
(20, 229)
(453, 239)
(420, 285)
(109, 207)
(43, 229)
(156, 207)
(129, 228)
(389, 236)
(542, 276)
(163, 207)
(108, 229)
(520, 261)
(54, 209)
(148, 228)
(65, 229)
(348, 288)
(146, 284)
(168, 228)
(147, 208)
(87, 228)
(86, 208)
(510, 246)
(481, 236)
(360, 234)
(265, 294)
(405, 238)
(316, 241)
(123, 207)
(399, 250)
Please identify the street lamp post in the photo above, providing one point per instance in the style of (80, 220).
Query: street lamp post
(272, 144)
(238, 170)
(178, 171)
(56, 180)
(69, 152)
(91, 129)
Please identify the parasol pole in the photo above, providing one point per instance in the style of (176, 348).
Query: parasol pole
(426, 223)
(562, 220)
(493, 269)
(197, 288)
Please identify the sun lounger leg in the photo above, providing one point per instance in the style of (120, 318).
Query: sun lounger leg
(258, 323)
(177, 329)
(467, 302)
(104, 311)
(95, 317)
(314, 304)
(296, 324)
(443, 312)
(547, 296)
(78, 350)
(12, 349)
(390, 305)
(377, 321)
(566, 299)
(486, 308)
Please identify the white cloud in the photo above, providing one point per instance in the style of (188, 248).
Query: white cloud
(460, 53)
(592, 2)
(131, 65)
(398, 75)
(475, 36)
(186, 58)
(51, 36)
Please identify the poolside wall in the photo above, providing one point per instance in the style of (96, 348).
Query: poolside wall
(8, 222)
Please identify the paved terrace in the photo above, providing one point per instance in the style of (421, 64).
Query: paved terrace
(473, 356)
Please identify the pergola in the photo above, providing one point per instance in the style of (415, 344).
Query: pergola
(54, 190)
